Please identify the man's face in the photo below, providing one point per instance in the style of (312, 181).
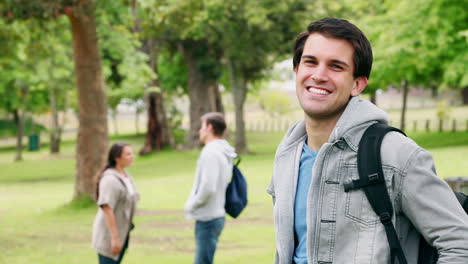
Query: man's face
(204, 131)
(324, 77)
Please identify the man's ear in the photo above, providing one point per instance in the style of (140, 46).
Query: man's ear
(359, 84)
(209, 127)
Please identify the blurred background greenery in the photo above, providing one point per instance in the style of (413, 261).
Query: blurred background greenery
(76, 75)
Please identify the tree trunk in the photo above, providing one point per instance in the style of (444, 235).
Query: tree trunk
(218, 100)
(434, 91)
(154, 131)
(92, 142)
(239, 91)
(203, 93)
(137, 121)
(19, 121)
(56, 129)
(158, 133)
(464, 92)
(403, 110)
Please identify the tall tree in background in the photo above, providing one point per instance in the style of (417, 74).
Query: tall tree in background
(126, 68)
(425, 45)
(22, 89)
(202, 59)
(55, 71)
(240, 38)
(92, 133)
(252, 35)
(158, 132)
(15, 76)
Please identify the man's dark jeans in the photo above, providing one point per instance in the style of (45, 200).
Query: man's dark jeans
(106, 260)
(206, 236)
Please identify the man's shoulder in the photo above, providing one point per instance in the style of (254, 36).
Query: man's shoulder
(397, 149)
(210, 153)
(396, 140)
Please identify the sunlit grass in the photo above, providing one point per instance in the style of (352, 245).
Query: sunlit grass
(39, 226)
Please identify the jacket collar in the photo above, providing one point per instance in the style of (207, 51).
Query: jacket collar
(357, 116)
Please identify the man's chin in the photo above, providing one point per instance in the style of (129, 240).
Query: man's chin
(322, 115)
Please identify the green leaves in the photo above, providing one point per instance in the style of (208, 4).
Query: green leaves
(420, 41)
(125, 67)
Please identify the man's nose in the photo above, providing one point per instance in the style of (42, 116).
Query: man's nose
(319, 74)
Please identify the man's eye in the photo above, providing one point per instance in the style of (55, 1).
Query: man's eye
(310, 62)
(336, 66)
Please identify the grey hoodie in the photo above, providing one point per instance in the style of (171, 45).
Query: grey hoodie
(213, 173)
(342, 228)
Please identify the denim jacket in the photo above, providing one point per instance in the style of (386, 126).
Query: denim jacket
(342, 228)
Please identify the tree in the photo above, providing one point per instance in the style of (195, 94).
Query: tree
(166, 32)
(252, 35)
(202, 60)
(126, 68)
(13, 88)
(427, 45)
(465, 95)
(55, 73)
(92, 132)
(21, 91)
(45, 49)
(246, 37)
(173, 77)
(158, 133)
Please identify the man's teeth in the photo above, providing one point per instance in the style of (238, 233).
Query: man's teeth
(319, 91)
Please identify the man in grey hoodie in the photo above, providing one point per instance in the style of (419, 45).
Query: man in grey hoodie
(206, 201)
(316, 221)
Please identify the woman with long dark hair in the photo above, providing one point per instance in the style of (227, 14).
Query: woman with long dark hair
(117, 197)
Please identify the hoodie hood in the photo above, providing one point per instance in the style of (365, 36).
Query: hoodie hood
(221, 145)
(357, 115)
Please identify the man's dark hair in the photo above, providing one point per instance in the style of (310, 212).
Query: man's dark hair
(217, 121)
(340, 29)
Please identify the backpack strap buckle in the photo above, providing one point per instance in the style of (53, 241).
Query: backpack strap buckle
(385, 218)
(358, 184)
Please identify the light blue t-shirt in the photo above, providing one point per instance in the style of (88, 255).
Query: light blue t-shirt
(300, 203)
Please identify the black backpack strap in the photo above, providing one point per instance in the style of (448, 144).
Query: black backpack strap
(237, 160)
(463, 199)
(465, 205)
(372, 181)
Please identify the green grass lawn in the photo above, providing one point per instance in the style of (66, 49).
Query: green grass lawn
(37, 227)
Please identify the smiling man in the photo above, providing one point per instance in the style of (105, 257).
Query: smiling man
(316, 221)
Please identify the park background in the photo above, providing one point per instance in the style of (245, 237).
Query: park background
(76, 76)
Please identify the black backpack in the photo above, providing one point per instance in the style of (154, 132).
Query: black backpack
(372, 181)
(236, 192)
